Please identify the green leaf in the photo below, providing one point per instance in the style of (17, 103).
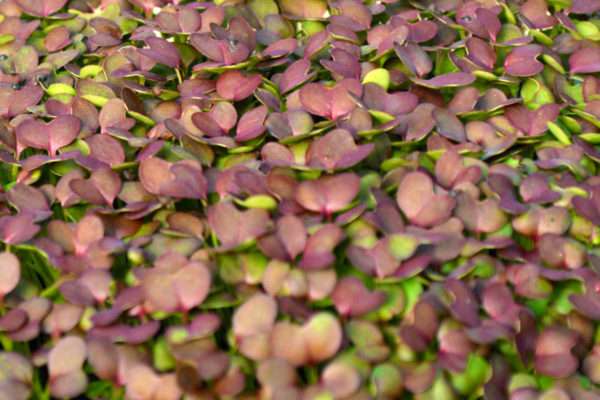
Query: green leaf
(6, 38)
(535, 94)
(394, 302)
(474, 376)
(98, 101)
(385, 379)
(570, 123)
(141, 118)
(561, 303)
(485, 75)
(439, 390)
(521, 381)
(402, 246)
(559, 133)
(263, 201)
(262, 8)
(591, 137)
(161, 356)
(381, 116)
(89, 71)
(99, 390)
(254, 265)
(312, 27)
(378, 76)
(413, 287)
(551, 61)
(588, 30)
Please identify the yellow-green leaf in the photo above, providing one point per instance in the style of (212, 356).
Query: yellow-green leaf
(6, 38)
(263, 201)
(379, 76)
(559, 133)
(90, 71)
(57, 89)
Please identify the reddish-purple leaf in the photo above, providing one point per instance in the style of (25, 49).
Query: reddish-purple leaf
(331, 103)
(252, 124)
(553, 352)
(536, 12)
(234, 227)
(336, 150)
(296, 74)
(522, 61)
(41, 8)
(101, 188)
(234, 85)
(10, 272)
(182, 179)
(318, 253)
(328, 194)
(481, 53)
(451, 79)
(162, 51)
(352, 298)
(448, 125)
(255, 316)
(192, 284)
(292, 234)
(415, 59)
(66, 356)
(585, 60)
(52, 136)
(419, 202)
(57, 39)
(17, 229)
(69, 385)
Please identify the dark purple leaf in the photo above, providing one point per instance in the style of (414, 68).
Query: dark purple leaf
(328, 194)
(51, 137)
(522, 61)
(234, 85)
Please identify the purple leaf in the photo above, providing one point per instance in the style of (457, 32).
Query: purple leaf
(41, 8)
(234, 85)
(17, 229)
(336, 150)
(330, 102)
(318, 253)
(553, 352)
(522, 61)
(66, 356)
(251, 124)
(52, 136)
(415, 59)
(183, 179)
(234, 227)
(101, 188)
(328, 194)
(10, 273)
(448, 125)
(352, 298)
(451, 79)
(418, 201)
(292, 234)
(585, 60)
(481, 53)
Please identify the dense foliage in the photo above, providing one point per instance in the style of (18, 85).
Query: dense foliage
(300, 199)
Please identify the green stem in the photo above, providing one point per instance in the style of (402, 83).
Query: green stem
(6, 343)
(116, 393)
(52, 289)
